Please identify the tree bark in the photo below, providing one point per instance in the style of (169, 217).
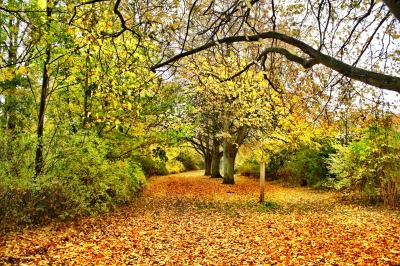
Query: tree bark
(9, 105)
(216, 159)
(207, 161)
(42, 107)
(230, 152)
(231, 146)
(87, 93)
(42, 110)
(394, 6)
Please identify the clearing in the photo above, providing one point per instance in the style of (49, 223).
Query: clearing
(190, 219)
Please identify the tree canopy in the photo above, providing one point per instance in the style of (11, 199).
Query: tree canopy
(358, 39)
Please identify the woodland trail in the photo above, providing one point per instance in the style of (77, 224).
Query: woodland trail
(190, 219)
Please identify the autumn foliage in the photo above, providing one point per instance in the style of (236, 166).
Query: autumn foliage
(190, 219)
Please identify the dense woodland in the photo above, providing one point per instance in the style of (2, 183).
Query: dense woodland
(97, 96)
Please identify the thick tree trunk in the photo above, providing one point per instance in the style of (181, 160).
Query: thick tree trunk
(231, 147)
(394, 6)
(216, 159)
(229, 162)
(208, 161)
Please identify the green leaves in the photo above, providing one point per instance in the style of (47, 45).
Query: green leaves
(370, 163)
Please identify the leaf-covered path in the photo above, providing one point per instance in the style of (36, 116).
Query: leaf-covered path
(190, 219)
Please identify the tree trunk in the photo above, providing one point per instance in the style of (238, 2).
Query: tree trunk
(42, 110)
(10, 102)
(87, 93)
(229, 162)
(208, 161)
(42, 107)
(216, 159)
(394, 6)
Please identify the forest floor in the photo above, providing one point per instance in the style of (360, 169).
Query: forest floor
(190, 219)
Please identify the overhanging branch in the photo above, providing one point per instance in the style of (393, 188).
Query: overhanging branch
(316, 57)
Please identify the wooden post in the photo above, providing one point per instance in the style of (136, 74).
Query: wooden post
(262, 180)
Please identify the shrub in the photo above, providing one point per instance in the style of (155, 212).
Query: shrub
(94, 183)
(188, 161)
(308, 164)
(152, 166)
(275, 164)
(77, 180)
(175, 167)
(16, 161)
(249, 168)
(370, 164)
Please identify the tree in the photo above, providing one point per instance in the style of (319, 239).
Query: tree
(229, 110)
(204, 138)
(14, 49)
(344, 32)
(94, 77)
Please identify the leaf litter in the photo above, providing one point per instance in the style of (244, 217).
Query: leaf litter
(190, 219)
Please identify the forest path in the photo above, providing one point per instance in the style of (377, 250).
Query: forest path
(190, 219)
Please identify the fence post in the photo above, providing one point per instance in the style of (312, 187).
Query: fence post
(262, 180)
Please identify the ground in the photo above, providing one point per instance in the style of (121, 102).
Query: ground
(190, 219)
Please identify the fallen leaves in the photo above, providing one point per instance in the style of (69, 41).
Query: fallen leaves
(189, 219)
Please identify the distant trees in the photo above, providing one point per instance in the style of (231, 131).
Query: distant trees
(228, 111)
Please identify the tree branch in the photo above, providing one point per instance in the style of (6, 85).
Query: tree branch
(355, 73)
(394, 6)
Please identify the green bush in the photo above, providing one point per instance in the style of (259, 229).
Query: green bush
(308, 164)
(16, 160)
(77, 179)
(152, 166)
(249, 168)
(24, 205)
(370, 164)
(188, 161)
(275, 164)
(175, 167)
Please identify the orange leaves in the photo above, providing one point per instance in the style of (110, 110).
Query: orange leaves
(190, 219)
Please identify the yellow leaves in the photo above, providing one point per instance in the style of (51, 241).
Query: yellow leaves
(254, 93)
(42, 4)
(174, 25)
(6, 74)
(248, 3)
